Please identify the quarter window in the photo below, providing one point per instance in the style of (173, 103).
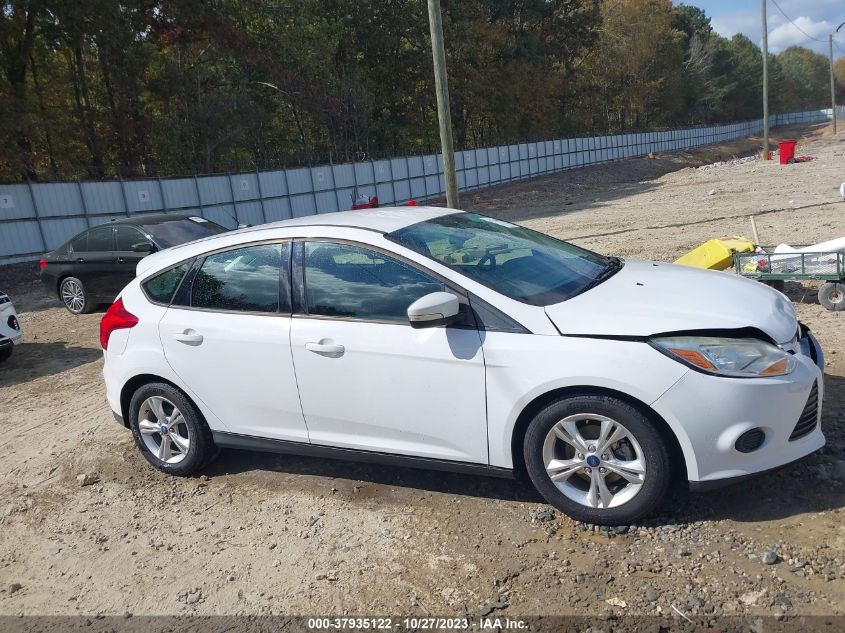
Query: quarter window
(246, 279)
(349, 281)
(161, 287)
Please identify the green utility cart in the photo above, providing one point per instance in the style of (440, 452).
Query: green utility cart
(776, 268)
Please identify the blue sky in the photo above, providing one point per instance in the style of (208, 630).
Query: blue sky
(817, 17)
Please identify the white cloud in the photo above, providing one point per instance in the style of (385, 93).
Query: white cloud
(787, 34)
(818, 18)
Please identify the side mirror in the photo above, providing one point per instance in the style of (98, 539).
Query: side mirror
(436, 308)
(143, 247)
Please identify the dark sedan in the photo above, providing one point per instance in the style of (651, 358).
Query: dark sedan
(91, 268)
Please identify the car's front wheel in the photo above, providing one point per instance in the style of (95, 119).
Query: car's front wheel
(169, 431)
(597, 459)
(74, 296)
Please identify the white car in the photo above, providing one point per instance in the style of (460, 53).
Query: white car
(449, 340)
(10, 328)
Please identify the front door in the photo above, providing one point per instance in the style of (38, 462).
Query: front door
(367, 379)
(126, 259)
(229, 342)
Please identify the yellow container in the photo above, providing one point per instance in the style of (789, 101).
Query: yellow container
(716, 254)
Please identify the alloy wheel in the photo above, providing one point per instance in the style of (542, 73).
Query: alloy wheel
(163, 429)
(73, 295)
(594, 460)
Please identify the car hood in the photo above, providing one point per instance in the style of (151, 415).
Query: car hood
(647, 298)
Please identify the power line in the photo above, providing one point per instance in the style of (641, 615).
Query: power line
(774, 2)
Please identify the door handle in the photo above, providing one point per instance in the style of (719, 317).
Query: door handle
(79, 260)
(188, 337)
(121, 260)
(325, 348)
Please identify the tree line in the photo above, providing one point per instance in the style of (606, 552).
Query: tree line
(127, 88)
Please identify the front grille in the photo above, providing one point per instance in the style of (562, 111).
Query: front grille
(809, 416)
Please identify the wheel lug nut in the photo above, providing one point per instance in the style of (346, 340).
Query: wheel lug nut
(602, 470)
(592, 449)
(579, 455)
(589, 470)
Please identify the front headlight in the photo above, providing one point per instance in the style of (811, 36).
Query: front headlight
(736, 357)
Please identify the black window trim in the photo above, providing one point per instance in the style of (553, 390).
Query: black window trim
(299, 287)
(199, 260)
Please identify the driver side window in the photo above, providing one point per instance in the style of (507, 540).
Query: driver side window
(353, 282)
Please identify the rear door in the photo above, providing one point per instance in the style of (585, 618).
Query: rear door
(95, 265)
(227, 336)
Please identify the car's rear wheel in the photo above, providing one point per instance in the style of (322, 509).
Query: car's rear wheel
(169, 431)
(597, 459)
(74, 296)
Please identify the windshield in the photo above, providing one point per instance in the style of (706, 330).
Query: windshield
(517, 262)
(180, 230)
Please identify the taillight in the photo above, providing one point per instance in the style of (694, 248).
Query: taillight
(116, 318)
(42, 264)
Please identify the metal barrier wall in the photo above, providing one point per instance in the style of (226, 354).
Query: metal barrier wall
(38, 217)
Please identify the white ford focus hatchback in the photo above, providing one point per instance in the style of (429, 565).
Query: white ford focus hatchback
(448, 340)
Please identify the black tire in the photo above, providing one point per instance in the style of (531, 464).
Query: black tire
(201, 450)
(832, 295)
(655, 455)
(69, 289)
(6, 354)
(777, 284)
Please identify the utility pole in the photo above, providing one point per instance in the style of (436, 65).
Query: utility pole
(833, 80)
(444, 116)
(765, 82)
(832, 86)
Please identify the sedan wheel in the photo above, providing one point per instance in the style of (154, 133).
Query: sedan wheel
(164, 430)
(169, 430)
(594, 460)
(598, 459)
(73, 295)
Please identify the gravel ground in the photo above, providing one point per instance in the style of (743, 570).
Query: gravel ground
(264, 534)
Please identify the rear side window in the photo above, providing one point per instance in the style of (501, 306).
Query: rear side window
(79, 244)
(101, 239)
(246, 279)
(161, 287)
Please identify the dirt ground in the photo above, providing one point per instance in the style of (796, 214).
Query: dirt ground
(265, 534)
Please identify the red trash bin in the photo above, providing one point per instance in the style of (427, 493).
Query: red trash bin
(787, 151)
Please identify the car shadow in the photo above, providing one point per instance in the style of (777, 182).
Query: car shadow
(237, 461)
(798, 488)
(32, 360)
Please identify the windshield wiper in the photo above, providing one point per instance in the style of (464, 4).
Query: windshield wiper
(614, 265)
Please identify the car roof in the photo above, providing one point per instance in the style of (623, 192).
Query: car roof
(382, 220)
(152, 218)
